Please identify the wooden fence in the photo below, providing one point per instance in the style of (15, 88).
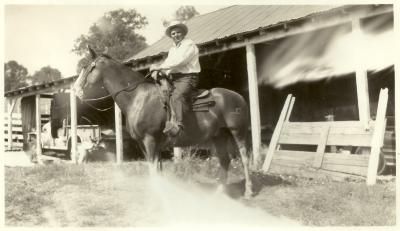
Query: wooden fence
(16, 130)
(330, 146)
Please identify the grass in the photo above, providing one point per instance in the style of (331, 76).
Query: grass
(328, 203)
(101, 194)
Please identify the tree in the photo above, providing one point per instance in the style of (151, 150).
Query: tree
(15, 76)
(114, 34)
(185, 13)
(46, 74)
(182, 14)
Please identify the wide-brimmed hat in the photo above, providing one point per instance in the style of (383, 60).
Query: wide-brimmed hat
(175, 24)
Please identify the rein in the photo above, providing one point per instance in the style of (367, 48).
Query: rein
(98, 109)
(113, 95)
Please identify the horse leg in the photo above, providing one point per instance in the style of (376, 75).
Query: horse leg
(152, 155)
(241, 145)
(221, 150)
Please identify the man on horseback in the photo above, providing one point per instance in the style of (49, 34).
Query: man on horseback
(182, 67)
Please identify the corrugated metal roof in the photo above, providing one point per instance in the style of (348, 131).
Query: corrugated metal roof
(40, 87)
(234, 20)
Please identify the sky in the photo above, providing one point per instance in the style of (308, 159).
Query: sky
(43, 35)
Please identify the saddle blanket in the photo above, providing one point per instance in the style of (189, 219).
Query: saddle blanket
(202, 101)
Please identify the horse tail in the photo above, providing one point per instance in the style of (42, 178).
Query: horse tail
(233, 110)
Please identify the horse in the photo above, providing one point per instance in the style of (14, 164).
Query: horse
(222, 125)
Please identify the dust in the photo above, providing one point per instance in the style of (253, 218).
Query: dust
(124, 196)
(187, 205)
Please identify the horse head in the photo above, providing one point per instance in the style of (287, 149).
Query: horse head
(90, 77)
(103, 69)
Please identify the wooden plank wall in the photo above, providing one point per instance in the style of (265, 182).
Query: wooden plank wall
(310, 144)
(321, 135)
(17, 135)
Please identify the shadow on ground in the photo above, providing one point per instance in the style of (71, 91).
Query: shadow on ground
(236, 189)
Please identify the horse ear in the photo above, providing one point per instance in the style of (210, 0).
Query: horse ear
(92, 53)
(106, 51)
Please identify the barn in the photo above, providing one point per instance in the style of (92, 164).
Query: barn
(267, 52)
(53, 104)
(273, 53)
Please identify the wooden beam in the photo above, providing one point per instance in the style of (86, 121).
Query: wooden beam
(277, 133)
(74, 124)
(321, 147)
(292, 30)
(38, 129)
(27, 92)
(397, 97)
(118, 134)
(254, 102)
(377, 137)
(361, 80)
(342, 133)
(287, 117)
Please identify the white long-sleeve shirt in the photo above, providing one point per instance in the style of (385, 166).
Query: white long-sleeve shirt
(182, 58)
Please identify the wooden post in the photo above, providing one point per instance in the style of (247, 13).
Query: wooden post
(361, 80)
(118, 134)
(319, 156)
(11, 105)
(74, 124)
(397, 110)
(254, 104)
(377, 137)
(289, 112)
(38, 129)
(396, 103)
(277, 132)
(177, 154)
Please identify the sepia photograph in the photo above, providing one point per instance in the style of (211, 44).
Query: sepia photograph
(206, 116)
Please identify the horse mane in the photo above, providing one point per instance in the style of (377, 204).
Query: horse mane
(109, 57)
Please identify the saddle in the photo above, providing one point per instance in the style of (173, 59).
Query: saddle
(201, 99)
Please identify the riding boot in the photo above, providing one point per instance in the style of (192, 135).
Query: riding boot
(175, 127)
(180, 98)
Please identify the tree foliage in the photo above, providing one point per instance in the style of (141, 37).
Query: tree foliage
(114, 34)
(182, 14)
(15, 76)
(46, 74)
(185, 13)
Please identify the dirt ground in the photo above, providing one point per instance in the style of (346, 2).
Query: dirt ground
(17, 158)
(109, 195)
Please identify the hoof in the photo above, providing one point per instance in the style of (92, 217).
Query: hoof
(220, 190)
(248, 194)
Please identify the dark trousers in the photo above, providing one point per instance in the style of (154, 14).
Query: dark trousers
(181, 95)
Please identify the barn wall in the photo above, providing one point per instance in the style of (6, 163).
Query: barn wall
(314, 99)
(226, 69)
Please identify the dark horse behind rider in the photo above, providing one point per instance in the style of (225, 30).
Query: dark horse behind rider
(224, 125)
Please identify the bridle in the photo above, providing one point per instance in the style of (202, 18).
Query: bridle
(130, 86)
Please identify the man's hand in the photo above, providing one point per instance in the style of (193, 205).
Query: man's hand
(154, 74)
(154, 67)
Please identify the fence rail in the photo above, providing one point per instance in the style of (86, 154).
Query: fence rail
(16, 130)
(314, 144)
